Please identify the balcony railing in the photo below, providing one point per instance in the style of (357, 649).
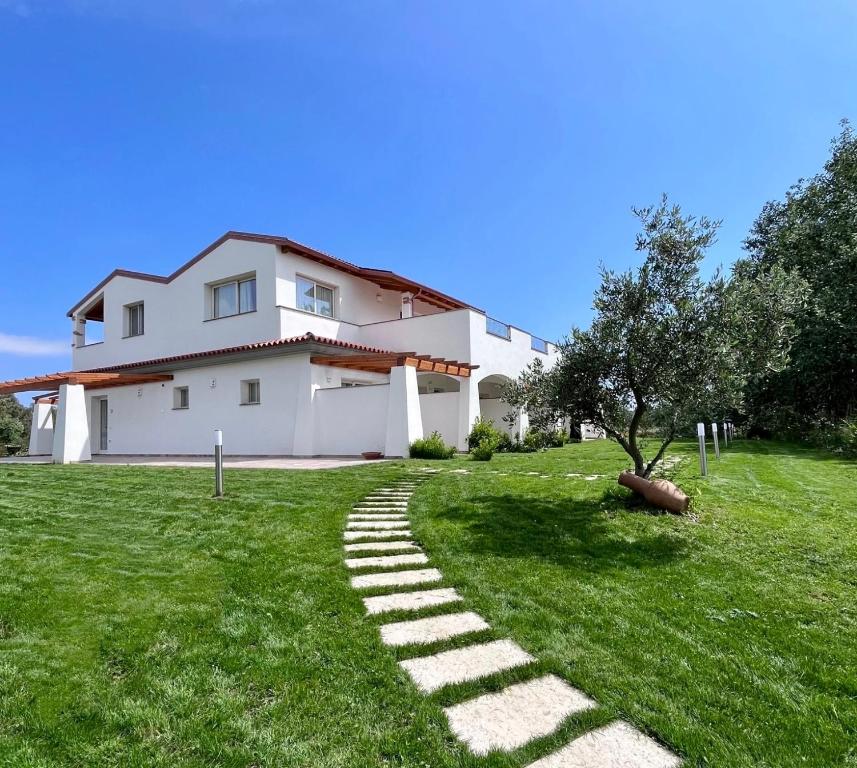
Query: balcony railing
(496, 328)
(538, 345)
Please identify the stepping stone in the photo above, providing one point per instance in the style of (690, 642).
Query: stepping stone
(380, 546)
(422, 631)
(389, 495)
(378, 524)
(383, 502)
(364, 510)
(396, 578)
(386, 561)
(383, 516)
(430, 673)
(516, 715)
(356, 535)
(410, 601)
(617, 745)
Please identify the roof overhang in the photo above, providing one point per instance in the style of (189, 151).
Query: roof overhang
(89, 380)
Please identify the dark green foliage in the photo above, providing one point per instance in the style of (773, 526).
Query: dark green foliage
(482, 430)
(809, 239)
(431, 447)
(485, 450)
(14, 422)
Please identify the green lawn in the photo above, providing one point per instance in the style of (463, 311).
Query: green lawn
(144, 624)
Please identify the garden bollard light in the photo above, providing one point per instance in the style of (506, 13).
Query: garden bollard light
(703, 460)
(725, 434)
(218, 463)
(716, 441)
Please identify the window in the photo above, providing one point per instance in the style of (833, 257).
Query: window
(134, 319)
(496, 328)
(233, 298)
(314, 297)
(250, 392)
(539, 345)
(181, 398)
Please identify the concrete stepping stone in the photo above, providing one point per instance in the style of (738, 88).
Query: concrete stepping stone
(516, 715)
(430, 673)
(381, 516)
(382, 503)
(386, 561)
(367, 510)
(380, 546)
(617, 745)
(410, 601)
(396, 578)
(358, 535)
(379, 525)
(432, 630)
(388, 496)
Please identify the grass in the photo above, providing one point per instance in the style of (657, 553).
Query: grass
(144, 624)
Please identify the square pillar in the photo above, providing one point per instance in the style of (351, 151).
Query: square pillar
(468, 409)
(404, 420)
(42, 429)
(303, 443)
(71, 435)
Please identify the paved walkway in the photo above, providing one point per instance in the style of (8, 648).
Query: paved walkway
(229, 462)
(378, 547)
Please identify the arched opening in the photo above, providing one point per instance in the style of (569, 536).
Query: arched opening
(493, 408)
(435, 383)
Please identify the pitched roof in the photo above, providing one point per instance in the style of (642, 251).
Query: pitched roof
(383, 278)
(273, 344)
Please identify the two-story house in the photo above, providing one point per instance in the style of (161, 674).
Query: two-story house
(288, 350)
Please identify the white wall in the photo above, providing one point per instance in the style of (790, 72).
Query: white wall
(446, 334)
(440, 413)
(494, 410)
(350, 420)
(176, 320)
(142, 419)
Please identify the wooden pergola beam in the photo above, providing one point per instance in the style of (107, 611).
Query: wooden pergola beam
(89, 380)
(382, 363)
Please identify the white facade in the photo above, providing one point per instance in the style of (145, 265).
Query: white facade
(271, 399)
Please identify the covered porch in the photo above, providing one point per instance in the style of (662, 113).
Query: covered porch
(61, 422)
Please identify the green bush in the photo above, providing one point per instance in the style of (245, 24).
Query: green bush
(482, 430)
(485, 450)
(431, 447)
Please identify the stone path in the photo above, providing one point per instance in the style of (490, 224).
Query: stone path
(378, 532)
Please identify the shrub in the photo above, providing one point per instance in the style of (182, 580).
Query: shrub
(505, 444)
(485, 450)
(431, 447)
(482, 430)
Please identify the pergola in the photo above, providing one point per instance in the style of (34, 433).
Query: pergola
(51, 381)
(385, 362)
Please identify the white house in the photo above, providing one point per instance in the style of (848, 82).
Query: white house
(288, 350)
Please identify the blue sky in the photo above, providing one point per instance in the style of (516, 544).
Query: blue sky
(490, 149)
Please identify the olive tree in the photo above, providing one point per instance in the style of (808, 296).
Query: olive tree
(656, 344)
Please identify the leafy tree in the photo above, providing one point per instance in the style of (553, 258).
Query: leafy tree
(656, 345)
(14, 421)
(810, 239)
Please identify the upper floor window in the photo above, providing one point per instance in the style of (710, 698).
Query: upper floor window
(134, 319)
(234, 297)
(315, 297)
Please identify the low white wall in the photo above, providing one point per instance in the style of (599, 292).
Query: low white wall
(440, 412)
(494, 410)
(350, 420)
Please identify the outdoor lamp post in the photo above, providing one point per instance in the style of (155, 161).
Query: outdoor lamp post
(218, 463)
(703, 460)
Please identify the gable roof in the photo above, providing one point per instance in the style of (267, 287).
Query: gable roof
(383, 278)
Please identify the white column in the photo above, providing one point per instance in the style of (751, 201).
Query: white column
(303, 443)
(407, 305)
(404, 420)
(523, 422)
(41, 430)
(468, 409)
(71, 436)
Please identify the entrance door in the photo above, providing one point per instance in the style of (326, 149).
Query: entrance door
(102, 420)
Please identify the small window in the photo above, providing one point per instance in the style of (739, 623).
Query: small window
(250, 392)
(134, 319)
(233, 298)
(314, 297)
(181, 398)
(538, 345)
